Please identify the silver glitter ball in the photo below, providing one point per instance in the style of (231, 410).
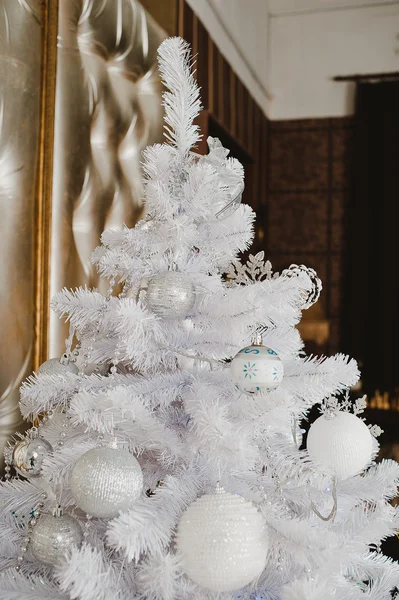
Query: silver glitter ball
(105, 481)
(222, 541)
(53, 366)
(28, 455)
(53, 536)
(170, 294)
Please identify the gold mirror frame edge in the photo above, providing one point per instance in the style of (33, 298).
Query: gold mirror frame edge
(49, 20)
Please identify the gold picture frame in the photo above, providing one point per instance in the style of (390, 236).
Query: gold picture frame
(49, 18)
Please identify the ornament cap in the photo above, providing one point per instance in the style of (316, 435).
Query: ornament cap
(58, 511)
(64, 360)
(33, 433)
(257, 339)
(219, 489)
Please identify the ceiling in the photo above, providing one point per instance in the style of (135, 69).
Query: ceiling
(281, 7)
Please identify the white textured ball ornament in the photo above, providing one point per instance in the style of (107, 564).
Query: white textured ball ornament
(54, 366)
(53, 536)
(222, 540)
(256, 369)
(28, 455)
(342, 442)
(105, 481)
(170, 294)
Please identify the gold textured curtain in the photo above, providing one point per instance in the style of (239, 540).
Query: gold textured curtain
(69, 160)
(107, 110)
(20, 75)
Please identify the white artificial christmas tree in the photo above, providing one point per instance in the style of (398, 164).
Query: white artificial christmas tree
(157, 471)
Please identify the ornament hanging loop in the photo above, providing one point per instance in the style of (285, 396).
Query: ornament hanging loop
(333, 512)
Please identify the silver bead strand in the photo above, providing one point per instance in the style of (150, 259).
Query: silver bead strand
(75, 353)
(36, 511)
(111, 286)
(7, 476)
(63, 433)
(86, 531)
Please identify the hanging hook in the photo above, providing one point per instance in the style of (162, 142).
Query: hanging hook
(333, 512)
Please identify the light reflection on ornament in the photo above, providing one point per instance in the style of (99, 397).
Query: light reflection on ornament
(28, 455)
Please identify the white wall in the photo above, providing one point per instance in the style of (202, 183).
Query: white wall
(287, 51)
(240, 30)
(314, 40)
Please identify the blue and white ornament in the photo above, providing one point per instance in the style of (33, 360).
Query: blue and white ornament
(256, 369)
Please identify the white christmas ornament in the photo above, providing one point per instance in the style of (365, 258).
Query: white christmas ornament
(170, 294)
(222, 540)
(52, 537)
(54, 366)
(105, 481)
(28, 455)
(256, 369)
(341, 441)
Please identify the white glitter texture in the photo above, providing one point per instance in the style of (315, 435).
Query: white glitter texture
(342, 442)
(105, 481)
(53, 536)
(222, 540)
(170, 294)
(53, 366)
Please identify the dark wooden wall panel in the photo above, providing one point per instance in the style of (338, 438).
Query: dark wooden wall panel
(230, 111)
(297, 172)
(309, 169)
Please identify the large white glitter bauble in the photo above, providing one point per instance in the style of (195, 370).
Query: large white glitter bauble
(170, 294)
(105, 481)
(342, 442)
(222, 540)
(257, 369)
(53, 536)
(53, 366)
(28, 455)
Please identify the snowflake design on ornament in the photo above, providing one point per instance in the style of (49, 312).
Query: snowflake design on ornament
(250, 370)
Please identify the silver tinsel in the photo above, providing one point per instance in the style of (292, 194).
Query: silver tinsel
(105, 481)
(28, 455)
(53, 536)
(54, 366)
(170, 294)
